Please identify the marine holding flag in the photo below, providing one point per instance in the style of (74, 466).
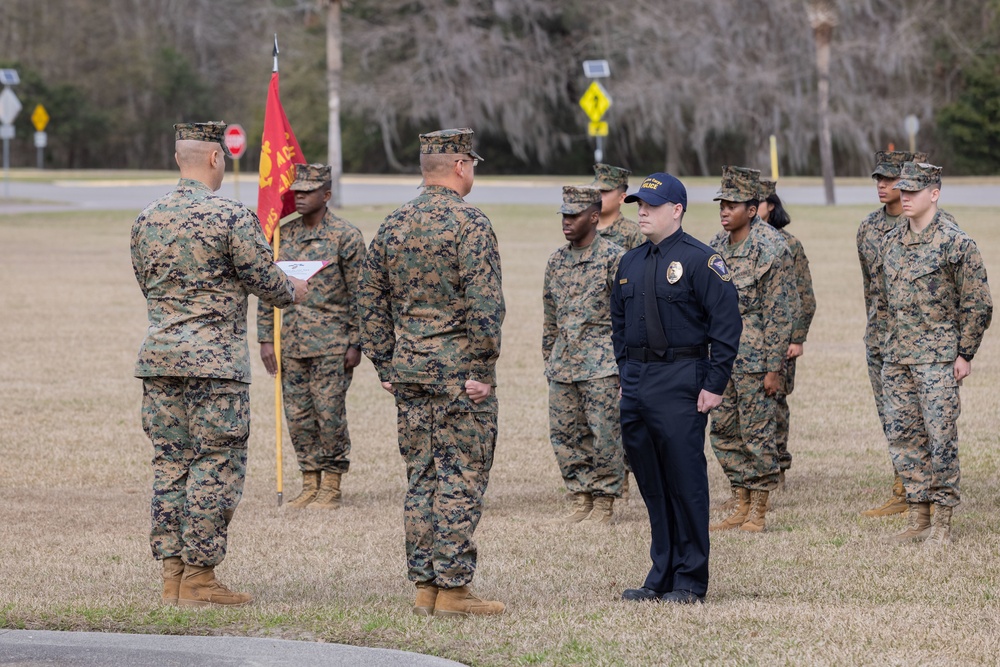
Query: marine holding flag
(197, 256)
(320, 339)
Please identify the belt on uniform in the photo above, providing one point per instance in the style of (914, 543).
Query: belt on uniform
(671, 354)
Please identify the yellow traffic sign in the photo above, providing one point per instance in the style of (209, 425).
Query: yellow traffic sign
(595, 101)
(40, 117)
(598, 128)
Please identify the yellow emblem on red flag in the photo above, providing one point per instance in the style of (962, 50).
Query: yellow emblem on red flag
(279, 152)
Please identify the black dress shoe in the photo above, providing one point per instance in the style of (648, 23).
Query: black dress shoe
(683, 597)
(640, 594)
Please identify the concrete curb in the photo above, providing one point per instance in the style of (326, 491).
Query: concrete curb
(93, 649)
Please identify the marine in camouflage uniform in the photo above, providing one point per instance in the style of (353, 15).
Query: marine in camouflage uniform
(613, 226)
(800, 331)
(196, 257)
(613, 183)
(937, 305)
(431, 308)
(742, 431)
(870, 236)
(320, 340)
(584, 422)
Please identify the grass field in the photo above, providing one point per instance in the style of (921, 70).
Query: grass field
(818, 588)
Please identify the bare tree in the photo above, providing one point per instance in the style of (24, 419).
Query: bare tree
(693, 94)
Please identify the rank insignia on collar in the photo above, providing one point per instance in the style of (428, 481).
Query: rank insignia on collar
(674, 272)
(717, 264)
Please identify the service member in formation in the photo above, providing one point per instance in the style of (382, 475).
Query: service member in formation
(742, 431)
(613, 226)
(320, 341)
(196, 257)
(676, 328)
(871, 233)
(584, 425)
(612, 181)
(431, 307)
(771, 211)
(937, 307)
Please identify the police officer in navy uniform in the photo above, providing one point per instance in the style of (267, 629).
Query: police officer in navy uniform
(676, 329)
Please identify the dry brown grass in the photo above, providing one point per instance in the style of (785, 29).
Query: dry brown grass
(817, 588)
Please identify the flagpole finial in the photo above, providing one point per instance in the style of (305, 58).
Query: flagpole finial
(275, 53)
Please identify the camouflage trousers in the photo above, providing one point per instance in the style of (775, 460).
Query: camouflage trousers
(742, 433)
(199, 429)
(782, 414)
(585, 430)
(875, 377)
(921, 411)
(447, 442)
(314, 391)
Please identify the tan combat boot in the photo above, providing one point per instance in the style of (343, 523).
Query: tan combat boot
(895, 505)
(328, 497)
(173, 569)
(310, 486)
(739, 515)
(940, 535)
(758, 510)
(625, 488)
(603, 512)
(730, 503)
(583, 503)
(427, 594)
(461, 602)
(918, 526)
(200, 588)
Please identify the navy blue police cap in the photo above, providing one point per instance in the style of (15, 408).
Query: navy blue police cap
(659, 189)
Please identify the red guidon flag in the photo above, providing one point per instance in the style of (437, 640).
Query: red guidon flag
(279, 151)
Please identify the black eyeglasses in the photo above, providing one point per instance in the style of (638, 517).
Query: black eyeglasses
(474, 161)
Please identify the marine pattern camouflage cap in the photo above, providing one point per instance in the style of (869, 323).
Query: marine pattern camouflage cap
(609, 177)
(888, 163)
(577, 198)
(214, 131)
(739, 184)
(309, 177)
(767, 187)
(457, 142)
(916, 176)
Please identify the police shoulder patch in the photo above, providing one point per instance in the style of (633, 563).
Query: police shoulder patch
(717, 264)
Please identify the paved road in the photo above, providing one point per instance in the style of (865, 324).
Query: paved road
(395, 190)
(93, 649)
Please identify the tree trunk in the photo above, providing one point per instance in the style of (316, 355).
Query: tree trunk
(673, 157)
(823, 19)
(334, 65)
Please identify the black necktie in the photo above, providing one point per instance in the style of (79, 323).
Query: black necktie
(655, 338)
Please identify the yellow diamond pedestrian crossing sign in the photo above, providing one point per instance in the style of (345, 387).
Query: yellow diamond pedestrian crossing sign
(595, 102)
(40, 118)
(598, 128)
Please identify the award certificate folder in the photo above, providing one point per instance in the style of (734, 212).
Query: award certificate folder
(301, 270)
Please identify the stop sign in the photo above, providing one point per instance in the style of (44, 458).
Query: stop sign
(236, 140)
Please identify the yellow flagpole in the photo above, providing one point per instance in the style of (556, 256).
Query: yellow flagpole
(277, 377)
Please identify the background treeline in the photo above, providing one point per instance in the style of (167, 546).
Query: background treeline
(695, 83)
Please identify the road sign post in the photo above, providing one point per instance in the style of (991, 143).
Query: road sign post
(595, 103)
(40, 119)
(10, 106)
(236, 141)
(912, 125)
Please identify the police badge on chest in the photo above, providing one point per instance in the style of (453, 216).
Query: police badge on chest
(674, 272)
